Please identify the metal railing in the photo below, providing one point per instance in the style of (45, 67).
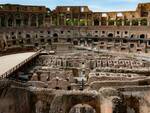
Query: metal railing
(10, 71)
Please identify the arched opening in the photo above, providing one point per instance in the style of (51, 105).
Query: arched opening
(49, 41)
(69, 88)
(82, 42)
(55, 39)
(135, 22)
(132, 36)
(142, 36)
(82, 108)
(28, 41)
(57, 88)
(14, 37)
(111, 21)
(75, 42)
(36, 44)
(110, 35)
(133, 104)
(144, 22)
(10, 22)
(96, 22)
(123, 49)
(89, 41)
(55, 35)
(18, 22)
(33, 20)
(21, 41)
(69, 40)
(118, 105)
(95, 39)
(27, 35)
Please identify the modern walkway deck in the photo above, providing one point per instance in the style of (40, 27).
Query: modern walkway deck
(10, 63)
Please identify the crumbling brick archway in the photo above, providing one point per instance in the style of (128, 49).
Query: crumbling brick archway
(91, 100)
(65, 102)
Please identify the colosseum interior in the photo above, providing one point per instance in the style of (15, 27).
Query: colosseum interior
(83, 62)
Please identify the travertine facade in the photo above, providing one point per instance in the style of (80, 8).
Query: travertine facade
(38, 26)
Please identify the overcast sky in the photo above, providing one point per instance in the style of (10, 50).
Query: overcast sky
(95, 5)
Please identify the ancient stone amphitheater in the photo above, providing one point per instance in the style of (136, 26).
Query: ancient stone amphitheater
(79, 61)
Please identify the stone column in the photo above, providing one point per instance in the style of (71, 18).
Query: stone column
(37, 23)
(123, 23)
(14, 21)
(92, 20)
(86, 20)
(78, 19)
(51, 20)
(148, 23)
(22, 17)
(139, 23)
(43, 20)
(29, 21)
(115, 22)
(107, 20)
(0, 21)
(65, 19)
(100, 21)
(6, 20)
(106, 106)
(57, 19)
(130, 22)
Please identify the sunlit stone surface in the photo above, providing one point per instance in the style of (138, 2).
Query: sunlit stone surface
(74, 60)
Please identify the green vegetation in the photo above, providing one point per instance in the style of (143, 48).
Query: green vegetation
(135, 22)
(143, 22)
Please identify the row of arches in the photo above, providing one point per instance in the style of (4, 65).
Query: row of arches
(120, 22)
(141, 36)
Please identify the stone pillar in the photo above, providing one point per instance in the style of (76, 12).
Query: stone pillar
(100, 21)
(78, 19)
(22, 23)
(92, 20)
(57, 19)
(51, 20)
(106, 106)
(107, 21)
(65, 20)
(37, 23)
(43, 20)
(123, 23)
(6, 20)
(29, 21)
(139, 23)
(115, 23)
(71, 19)
(86, 23)
(130, 22)
(14, 21)
(0, 22)
(148, 23)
